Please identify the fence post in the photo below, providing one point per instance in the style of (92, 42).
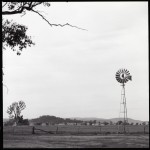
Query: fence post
(22, 131)
(100, 128)
(56, 130)
(144, 129)
(33, 128)
(13, 130)
(78, 129)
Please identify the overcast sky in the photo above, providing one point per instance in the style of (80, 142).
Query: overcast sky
(71, 72)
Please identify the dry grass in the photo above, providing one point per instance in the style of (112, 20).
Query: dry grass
(60, 141)
(66, 129)
(74, 137)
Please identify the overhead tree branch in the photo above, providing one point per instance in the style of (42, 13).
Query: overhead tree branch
(61, 25)
(13, 34)
(13, 12)
(29, 6)
(38, 3)
(4, 5)
(20, 9)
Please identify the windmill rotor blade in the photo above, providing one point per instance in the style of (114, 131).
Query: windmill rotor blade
(117, 76)
(119, 80)
(121, 70)
(123, 75)
(126, 79)
(127, 72)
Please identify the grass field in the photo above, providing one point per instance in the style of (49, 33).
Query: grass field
(60, 141)
(68, 129)
(75, 137)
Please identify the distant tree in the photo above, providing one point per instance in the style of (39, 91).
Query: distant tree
(111, 123)
(99, 123)
(10, 122)
(143, 123)
(94, 122)
(105, 123)
(90, 122)
(15, 109)
(20, 119)
(38, 123)
(126, 123)
(25, 122)
(137, 123)
(119, 122)
(85, 123)
(131, 123)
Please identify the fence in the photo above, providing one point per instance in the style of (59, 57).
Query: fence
(73, 129)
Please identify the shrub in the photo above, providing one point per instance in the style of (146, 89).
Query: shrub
(24, 122)
(10, 122)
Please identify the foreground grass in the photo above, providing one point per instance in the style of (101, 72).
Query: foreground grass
(60, 141)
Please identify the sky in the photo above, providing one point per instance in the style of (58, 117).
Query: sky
(71, 72)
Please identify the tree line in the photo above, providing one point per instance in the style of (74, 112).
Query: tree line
(15, 109)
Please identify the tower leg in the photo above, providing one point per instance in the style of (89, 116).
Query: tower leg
(124, 111)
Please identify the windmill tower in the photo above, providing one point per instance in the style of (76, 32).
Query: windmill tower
(123, 76)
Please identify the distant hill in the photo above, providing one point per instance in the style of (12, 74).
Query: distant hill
(108, 120)
(53, 120)
(129, 120)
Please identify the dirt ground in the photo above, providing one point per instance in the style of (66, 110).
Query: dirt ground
(60, 141)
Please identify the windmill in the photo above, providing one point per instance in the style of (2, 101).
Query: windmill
(123, 76)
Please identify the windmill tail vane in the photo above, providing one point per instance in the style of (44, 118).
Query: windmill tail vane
(130, 78)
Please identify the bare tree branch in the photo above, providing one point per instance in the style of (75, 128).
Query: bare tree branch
(4, 5)
(42, 17)
(61, 25)
(68, 25)
(38, 3)
(23, 14)
(6, 87)
(30, 4)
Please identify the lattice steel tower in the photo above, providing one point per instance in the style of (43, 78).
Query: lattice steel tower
(123, 76)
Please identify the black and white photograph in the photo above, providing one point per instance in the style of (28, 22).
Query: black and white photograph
(75, 74)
